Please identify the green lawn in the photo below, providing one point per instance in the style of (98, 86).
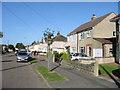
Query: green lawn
(33, 61)
(109, 68)
(50, 76)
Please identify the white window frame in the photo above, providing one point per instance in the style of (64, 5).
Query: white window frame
(83, 49)
(73, 49)
(89, 33)
(82, 36)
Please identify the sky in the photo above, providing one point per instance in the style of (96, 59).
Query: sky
(25, 22)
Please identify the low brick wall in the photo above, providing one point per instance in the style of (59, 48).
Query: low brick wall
(105, 60)
(91, 68)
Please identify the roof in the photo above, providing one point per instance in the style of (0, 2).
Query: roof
(59, 38)
(115, 18)
(89, 24)
(103, 40)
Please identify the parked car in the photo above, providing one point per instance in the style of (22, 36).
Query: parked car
(23, 56)
(4, 51)
(16, 52)
(79, 56)
(41, 53)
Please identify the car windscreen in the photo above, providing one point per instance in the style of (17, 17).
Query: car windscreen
(22, 53)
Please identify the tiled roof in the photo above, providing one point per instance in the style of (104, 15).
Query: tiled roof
(59, 38)
(103, 40)
(115, 18)
(89, 24)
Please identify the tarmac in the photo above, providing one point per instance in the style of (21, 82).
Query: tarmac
(77, 79)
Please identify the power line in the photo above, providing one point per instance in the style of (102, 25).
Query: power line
(39, 14)
(29, 26)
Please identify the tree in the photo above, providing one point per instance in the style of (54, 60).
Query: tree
(1, 34)
(20, 46)
(33, 42)
(10, 46)
(48, 34)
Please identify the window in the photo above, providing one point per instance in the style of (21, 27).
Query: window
(82, 36)
(73, 49)
(82, 49)
(89, 33)
(114, 33)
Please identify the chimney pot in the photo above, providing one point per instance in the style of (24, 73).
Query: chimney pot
(58, 33)
(93, 17)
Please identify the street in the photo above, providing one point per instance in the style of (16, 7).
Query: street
(19, 75)
(22, 75)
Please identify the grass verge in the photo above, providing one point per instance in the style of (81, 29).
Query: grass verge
(50, 76)
(109, 68)
(33, 61)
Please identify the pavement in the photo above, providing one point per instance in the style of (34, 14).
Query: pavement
(77, 79)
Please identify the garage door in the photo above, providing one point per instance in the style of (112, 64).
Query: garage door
(97, 52)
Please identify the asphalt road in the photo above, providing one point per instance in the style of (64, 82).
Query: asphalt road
(19, 75)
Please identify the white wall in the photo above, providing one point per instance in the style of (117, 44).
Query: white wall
(72, 42)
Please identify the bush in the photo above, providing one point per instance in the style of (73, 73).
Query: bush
(62, 53)
(57, 56)
(65, 56)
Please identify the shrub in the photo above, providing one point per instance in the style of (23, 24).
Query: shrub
(57, 55)
(62, 53)
(65, 56)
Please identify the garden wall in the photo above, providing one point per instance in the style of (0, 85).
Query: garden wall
(91, 68)
(105, 60)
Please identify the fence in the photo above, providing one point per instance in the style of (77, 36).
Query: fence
(91, 68)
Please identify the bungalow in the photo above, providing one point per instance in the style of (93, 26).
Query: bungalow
(94, 38)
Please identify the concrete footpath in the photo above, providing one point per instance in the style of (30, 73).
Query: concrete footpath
(75, 79)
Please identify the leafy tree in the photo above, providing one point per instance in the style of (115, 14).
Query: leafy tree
(33, 42)
(48, 34)
(20, 46)
(1, 34)
(10, 46)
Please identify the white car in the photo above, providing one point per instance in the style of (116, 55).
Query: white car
(78, 56)
(41, 53)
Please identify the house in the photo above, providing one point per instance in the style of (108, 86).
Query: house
(71, 44)
(3, 46)
(58, 43)
(116, 19)
(94, 37)
(39, 46)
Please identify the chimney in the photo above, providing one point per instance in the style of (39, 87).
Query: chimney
(93, 17)
(58, 33)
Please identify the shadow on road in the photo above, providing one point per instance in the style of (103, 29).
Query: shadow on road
(7, 61)
(116, 82)
(116, 72)
(14, 67)
(55, 67)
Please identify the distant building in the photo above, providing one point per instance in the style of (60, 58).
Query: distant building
(58, 43)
